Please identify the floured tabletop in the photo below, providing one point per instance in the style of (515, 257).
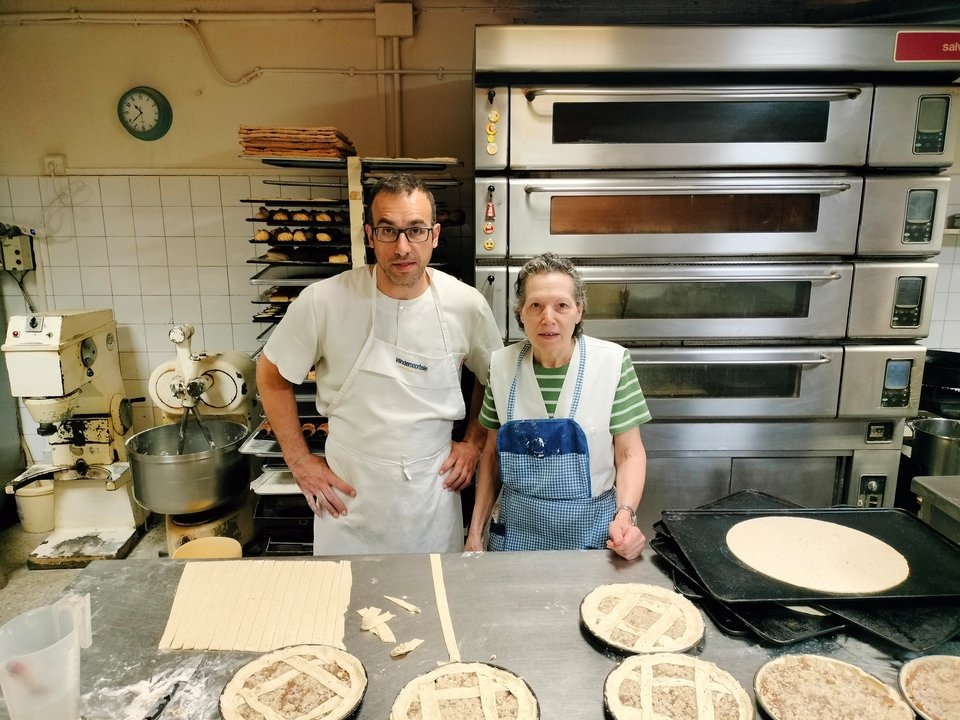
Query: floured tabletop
(519, 611)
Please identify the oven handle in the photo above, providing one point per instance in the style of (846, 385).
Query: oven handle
(696, 189)
(822, 359)
(813, 93)
(832, 275)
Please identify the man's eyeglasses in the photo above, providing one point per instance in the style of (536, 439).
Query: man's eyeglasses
(414, 233)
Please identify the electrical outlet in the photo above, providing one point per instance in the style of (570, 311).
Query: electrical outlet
(56, 164)
(17, 253)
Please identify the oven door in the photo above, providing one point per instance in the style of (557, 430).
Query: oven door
(713, 301)
(743, 382)
(681, 215)
(688, 127)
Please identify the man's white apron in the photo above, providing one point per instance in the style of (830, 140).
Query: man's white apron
(413, 399)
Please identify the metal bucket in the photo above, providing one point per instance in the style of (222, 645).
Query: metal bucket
(936, 446)
(197, 480)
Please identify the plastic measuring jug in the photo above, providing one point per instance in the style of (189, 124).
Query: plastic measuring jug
(40, 660)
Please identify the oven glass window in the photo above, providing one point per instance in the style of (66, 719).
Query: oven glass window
(682, 300)
(745, 121)
(719, 381)
(693, 213)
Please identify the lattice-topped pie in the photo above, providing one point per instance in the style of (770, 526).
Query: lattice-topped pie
(642, 618)
(931, 685)
(466, 691)
(811, 687)
(301, 682)
(665, 686)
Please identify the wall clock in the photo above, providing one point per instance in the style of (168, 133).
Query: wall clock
(145, 113)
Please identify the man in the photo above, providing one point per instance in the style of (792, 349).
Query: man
(388, 343)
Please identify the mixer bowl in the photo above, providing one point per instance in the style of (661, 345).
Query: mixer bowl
(197, 480)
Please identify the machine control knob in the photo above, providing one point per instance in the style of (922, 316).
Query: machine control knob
(872, 486)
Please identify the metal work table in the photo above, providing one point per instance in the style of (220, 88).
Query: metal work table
(517, 610)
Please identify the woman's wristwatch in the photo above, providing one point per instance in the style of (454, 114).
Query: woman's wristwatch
(629, 509)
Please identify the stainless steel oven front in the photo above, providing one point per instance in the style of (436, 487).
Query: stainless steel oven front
(711, 214)
(721, 126)
(740, 301)
(756, 214)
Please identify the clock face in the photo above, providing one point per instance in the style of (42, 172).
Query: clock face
(145, 113)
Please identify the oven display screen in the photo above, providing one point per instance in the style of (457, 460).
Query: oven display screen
(897, 376)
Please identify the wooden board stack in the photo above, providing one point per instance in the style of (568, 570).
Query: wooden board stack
(295, 142)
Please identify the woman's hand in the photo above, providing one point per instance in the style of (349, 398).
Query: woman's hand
(626, 540)
(474, 543)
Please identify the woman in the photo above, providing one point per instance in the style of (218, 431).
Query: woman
(563, 414)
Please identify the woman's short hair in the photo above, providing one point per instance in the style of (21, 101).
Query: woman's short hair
(550, 263)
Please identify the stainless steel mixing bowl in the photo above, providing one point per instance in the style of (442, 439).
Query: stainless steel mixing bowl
(197, 480)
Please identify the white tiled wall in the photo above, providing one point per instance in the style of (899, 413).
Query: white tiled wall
(158, 250)
(945, 328)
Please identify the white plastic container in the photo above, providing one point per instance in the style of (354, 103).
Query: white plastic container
(40, 660)
(35, 506)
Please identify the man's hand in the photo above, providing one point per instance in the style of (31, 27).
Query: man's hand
(320, 485)
(460, 465)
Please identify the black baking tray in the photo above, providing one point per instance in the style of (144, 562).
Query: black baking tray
(726, 621)
(748, 500)
(740, 500)
(917, 625)
(934, 560)
(781, 625)
(768, 621)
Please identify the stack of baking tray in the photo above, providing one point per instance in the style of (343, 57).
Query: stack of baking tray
(919, 614)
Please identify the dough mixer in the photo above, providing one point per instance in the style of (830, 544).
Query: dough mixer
(202, 483)
(65, 366)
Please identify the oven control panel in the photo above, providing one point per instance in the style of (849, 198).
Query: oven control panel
(491, 108)
(491, 209)
(871, 491)
(908, 302)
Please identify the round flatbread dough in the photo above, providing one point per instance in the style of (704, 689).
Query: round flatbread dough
(316, 681)
(817, 555)
(813, 687)
(642, 618)
(679, 687)
(931, 684)
(466, 691)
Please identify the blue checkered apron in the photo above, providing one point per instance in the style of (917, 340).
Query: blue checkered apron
(546, 501)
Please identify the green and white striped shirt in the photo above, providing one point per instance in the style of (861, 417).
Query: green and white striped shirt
(629, 406)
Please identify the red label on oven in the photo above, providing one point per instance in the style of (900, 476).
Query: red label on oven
(927, 46)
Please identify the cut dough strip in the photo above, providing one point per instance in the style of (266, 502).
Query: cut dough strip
(443, 608)
(403, 603)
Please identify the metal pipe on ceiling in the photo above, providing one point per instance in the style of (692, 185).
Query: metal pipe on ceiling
(167, 18)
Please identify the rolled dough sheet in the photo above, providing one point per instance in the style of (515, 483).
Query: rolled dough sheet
(258, 605)
(817, 555)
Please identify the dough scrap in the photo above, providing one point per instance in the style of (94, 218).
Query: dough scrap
(817, 555)
(406, 647)
(403, 603)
